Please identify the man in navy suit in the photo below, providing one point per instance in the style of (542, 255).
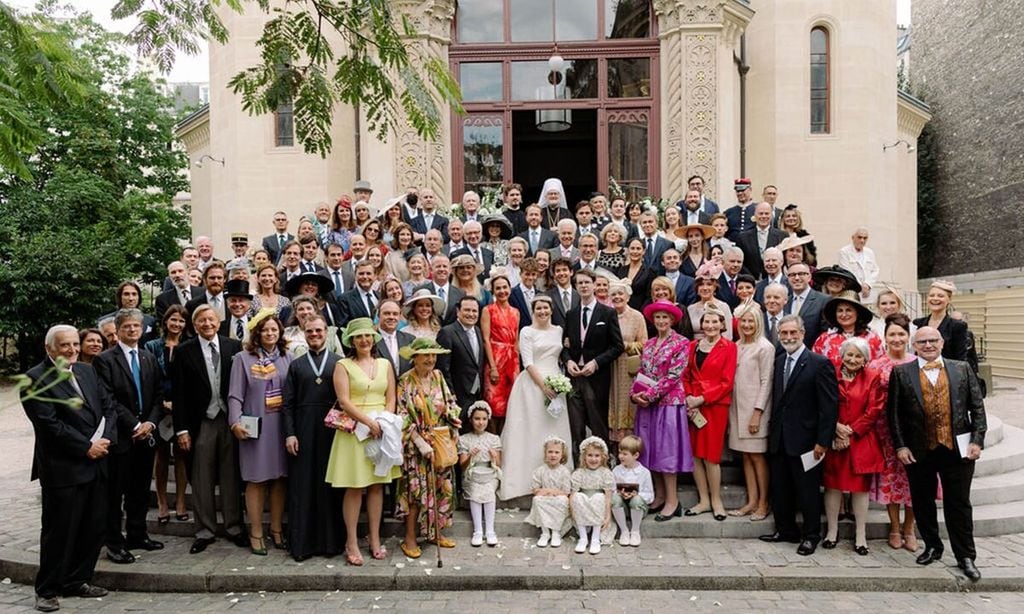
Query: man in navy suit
(525, 291)
(654, 244)
(772, 260)
(775, 298)
(805, 406)
(70, 462)
(707, 205)
(391, 339)
(690, 208)
(361, 301)
(805, 301)
(428, 217)
(732, 266)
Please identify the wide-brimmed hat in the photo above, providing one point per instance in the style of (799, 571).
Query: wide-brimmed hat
(466, 260)
(262, 314)
(237, 287)
(791, 241)
(422, 345)
(682, 231)
(497, 218)
(323, 283)
(357, 327)
(664, 307)
(821, 276)
(849, 297)
(495, 273)
(423, 293)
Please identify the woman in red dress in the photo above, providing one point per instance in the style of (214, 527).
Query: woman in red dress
(499, 325)
(856, 454)
(708, 380)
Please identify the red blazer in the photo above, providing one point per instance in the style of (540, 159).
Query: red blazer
(861, 403)
(715, 379)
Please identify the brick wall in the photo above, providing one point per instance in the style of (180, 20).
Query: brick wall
(968, 65)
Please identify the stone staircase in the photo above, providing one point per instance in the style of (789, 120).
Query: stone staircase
(997, 494)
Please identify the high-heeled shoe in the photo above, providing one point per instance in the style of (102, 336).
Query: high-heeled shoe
(277, 538)
(257, 546)
(861, 550)
(654, 509)
(828, 544)
(663, 517)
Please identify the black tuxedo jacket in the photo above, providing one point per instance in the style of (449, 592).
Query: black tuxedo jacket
(558, 313)
(404, 364)
(810, 312)
(440, 222)
(452, 298)
(545, 241)
(804, 412)
(352, 305)
(191, 384)
(166, 299)
(747, 241)
(906, 406)
(460, 368)
(115, 375)
(63, 432)
(604, 337)
(270, 244)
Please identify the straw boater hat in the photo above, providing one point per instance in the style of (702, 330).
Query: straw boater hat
(357, 327)
(423, 293)
(422, 345)
(324, 285)
(262, 314)
(849, 297)
(709, 231)
(497, 218)
(466, 260)
(664, 307)
(821, 276)
(791, 242)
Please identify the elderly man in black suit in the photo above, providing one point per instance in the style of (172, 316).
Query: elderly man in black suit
(131, 376)
(180, 292)
(805, 407)
(593, 340)
(463, 368)
(275, 243)
(391, 339)
(732, 266)
(440, 285)
(805, 301)
(472, 233)
(74, 423)
(937, 419)
(754, 241)
(200, 374)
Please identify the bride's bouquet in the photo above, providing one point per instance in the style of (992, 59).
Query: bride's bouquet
(562, 387)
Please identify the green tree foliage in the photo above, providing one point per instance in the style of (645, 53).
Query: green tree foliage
(298, 65)
(97, 207)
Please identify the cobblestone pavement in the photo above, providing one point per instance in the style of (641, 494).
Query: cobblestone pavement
(16, 598)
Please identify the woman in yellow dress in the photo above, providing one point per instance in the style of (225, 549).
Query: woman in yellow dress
(366, 392)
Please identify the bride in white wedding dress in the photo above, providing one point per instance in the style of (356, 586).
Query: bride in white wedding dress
(528, 422)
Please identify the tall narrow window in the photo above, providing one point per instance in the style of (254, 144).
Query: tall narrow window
(820, 82)
(284, 126)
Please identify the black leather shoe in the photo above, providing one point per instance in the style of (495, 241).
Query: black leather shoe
(776, 538)
(89, 591)
(145, 544)
(929, 556)
(120, 556)
(200, 544)
(828, 544)
(241, 540)
(861, 550)
(807, 547)
(972, 573)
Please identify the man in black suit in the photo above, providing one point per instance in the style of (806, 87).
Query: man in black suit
(275, 243)
(617, 209)
(566, 247)
(708, 206)
(593, 342)
(732, 266)
(132, 378)
(189, 259)
(339, 271)
(775, 298)
(360, 301)
(428, 217)
(772, 260)
(440, 285)
(755, 241)
(214, 278)
(933, 403)
(537, 238)
(70, 462)
(562, 294)
(654, 244)
(805, 406)
(235, 325)
(463, 368)
(525, 291)
(473, 234)
(180, 292)
(690, 209)
(805, 301)
(310, 253)
(200, 373)
(391, 339)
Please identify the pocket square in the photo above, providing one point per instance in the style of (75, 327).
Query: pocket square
(600, 323)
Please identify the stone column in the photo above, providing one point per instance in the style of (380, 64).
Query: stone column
(697, 42)
(417, 162)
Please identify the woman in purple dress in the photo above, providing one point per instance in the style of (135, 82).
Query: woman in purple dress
(257, 377)
(661, 407)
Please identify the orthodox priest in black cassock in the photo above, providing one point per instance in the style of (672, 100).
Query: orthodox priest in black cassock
(315, 524)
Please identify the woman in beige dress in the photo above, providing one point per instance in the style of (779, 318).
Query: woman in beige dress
(621, 411)
(751, 406)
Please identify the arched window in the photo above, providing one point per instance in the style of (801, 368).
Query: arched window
(821, 81)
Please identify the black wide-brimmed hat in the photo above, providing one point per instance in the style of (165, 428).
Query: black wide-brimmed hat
(849, 297)
(323, 283)
(821, 276)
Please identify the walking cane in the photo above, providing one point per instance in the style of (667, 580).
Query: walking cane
(437, 526)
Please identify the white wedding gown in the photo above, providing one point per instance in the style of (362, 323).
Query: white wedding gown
(527, 422)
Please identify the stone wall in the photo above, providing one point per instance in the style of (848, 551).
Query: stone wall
(969, 66)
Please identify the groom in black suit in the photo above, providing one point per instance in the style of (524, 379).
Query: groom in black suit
(593, 341)
(70, 462)
(805, 406)
(464, 367)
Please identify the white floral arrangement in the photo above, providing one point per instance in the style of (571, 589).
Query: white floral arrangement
(562, 386)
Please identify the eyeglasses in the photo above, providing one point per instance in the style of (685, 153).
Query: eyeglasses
(927, 341)
(795, 274)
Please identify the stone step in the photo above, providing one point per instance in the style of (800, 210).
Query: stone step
(1005, 457)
